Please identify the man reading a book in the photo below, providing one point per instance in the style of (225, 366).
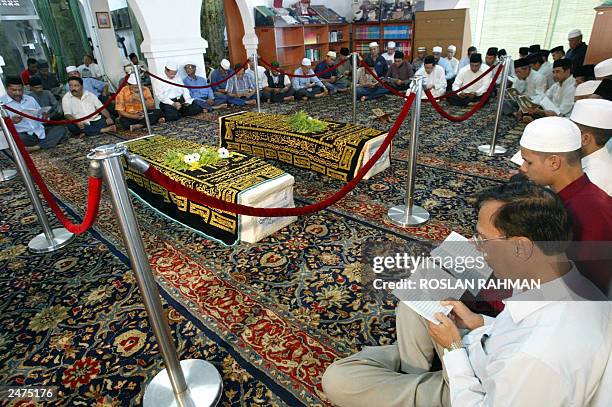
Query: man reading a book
(559, 99)
(536, 352)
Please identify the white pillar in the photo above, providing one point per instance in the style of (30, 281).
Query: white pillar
(250, 40)
(171, 31)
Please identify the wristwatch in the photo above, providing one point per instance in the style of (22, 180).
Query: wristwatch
(454, 346)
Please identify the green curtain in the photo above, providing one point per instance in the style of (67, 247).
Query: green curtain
(43, 7)
(212, 24)
(78, 22)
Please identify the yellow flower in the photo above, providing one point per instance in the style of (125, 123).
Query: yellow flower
(48, 318)
(332, 296)
(11, 252)
(353, 271)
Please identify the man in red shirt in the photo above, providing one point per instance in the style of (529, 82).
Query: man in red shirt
(550, 148)
(31, 70)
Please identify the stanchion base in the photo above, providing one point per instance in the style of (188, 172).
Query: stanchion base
(397, 215)
(7, 175)
(203, 381)
(61, 238)
(486, 148)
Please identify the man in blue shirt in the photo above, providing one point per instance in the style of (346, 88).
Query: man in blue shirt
(203, 97)
(465, 61)
(307, 88)
(378, 61)
(240, 89)
(449, 72)
(31, 132)
(219, 74)
(330, 79)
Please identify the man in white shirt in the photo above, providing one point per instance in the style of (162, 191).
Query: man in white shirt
(174, 102)
(548, 347)
(474, 92)
(390, 54)
(465, 61)
(539, 63)
(594, 119)
(527, 82)
(260, 70)
(559, 99)
(450, 56)
(434, 77)
(89, 69)
(79, 103)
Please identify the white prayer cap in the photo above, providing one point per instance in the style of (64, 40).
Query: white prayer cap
(172, 66)
(573, 34)
(437, 49)
(132, 80)
(391, 44)
(306, 62)
(373, 44)
(452, 48)
(192, 64)
(225, 64)
(551, 135)
(604, 68)
(586, 88)
(593, 113)
(71, 68)
(331, 54)
(422, 49)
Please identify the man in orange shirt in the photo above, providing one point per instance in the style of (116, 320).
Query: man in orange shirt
(129, 106)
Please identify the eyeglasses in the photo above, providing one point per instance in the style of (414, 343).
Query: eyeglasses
(478, 240)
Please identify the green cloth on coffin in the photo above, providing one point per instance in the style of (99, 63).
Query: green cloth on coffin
(336, 151)
(225, 180)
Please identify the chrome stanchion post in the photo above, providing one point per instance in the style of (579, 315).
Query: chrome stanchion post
(255, 68)
(136, 72)
(355, 57)
(491, 149)
(411, 214)
(6, 174)
(52, 238)
(190, 382)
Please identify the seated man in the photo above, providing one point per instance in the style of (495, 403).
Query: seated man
(527, 82)
(49, 81)
(538, 62)
(45, 99)
(417, 62)
(331, 79)
(557, 52)
(584, 73)
(400, 72)
(144, 78)
(367, 86)
(31, 132)
(278, 86)
(380, 63)
(450, 57)
(449, 73)
(559, 99)
(307, 88)
(80, 103)
(175, 102)
(203, 97)
(261, 77)
(534, 353)
(346, 68)
(92, 85)
(89, 69)
(31, 70)
(467, 74)
(218, 75)
(433, 77)
(129, 106)
(240, 89)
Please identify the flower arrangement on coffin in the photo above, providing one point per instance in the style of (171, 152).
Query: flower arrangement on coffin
(302, 123)
(192, 160)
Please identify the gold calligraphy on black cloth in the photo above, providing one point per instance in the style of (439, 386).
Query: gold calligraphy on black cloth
(224, 180)
(336, 152)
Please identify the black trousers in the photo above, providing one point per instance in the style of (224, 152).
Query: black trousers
(304, 93)
(458, 101)
(171, 114)
(276, 97)
(154, 116)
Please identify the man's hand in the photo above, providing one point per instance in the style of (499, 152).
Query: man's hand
(210, 102)
(110, 121)
(462, 316)
(81, 125)
(177, 105)
(16, 119)
(332, 79)
(140, 115)
(444, 333)
(549, 113)
(471, 94)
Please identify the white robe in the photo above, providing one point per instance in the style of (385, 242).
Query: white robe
(598, 167)
(546, 71)
(466, 76)
(534, 84)
(561, 96)
(435, 81)
(166, 92)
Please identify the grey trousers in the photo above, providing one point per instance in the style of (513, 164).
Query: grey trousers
(53, 136)
(391, 376)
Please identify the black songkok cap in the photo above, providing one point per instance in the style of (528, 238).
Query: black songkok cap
(35, 81)
(533, 59)
(534, 48)
(429, 59)
(502, 52)
(344, 51)
(524, 50)
(563, 63)
(605, 89)
(43, 64)
(557, 49)
(476, 58)
(521, 62)
(544, 53)
(588, 71)
(492, 51)
(13, 80)
(398, 55)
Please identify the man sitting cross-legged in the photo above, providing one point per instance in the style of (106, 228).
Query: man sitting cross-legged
(474, 92)
(548, 347)
(277, 87)
(240, 89)
(174, 101)
(79, 103)
(203, 97)
(129, 106)
(310, 87)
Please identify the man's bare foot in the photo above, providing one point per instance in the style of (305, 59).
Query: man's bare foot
(288, 98)
(305, 98)
(109, 128)
(162, 120)
(364, 98)
(251, 102)
(343, 90)
(31, 149)
(221, 106)
(136, 127)
(320, 95)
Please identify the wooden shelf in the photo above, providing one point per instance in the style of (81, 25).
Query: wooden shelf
(379, 35)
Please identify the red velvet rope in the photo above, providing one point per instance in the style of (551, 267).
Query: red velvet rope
(464, 87)
(93, 194)
(292, 75)
(371, 72)
(474, 108)
(156, 176)
(100, 109)
(210, 85)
